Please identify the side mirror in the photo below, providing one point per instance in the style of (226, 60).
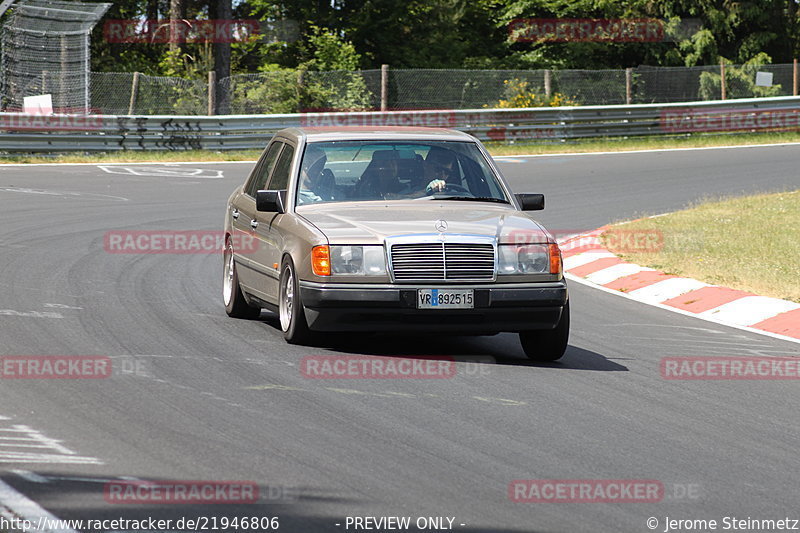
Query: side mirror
(271, 201)
(530, 202)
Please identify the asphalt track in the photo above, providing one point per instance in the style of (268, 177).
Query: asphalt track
(199, 396)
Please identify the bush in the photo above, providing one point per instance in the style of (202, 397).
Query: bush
(740, 82)
(517, 94)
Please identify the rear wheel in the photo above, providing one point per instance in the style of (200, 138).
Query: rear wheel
(290, 307)
(235, 304)
(547, 344)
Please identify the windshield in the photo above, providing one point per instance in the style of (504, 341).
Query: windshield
(368, 170)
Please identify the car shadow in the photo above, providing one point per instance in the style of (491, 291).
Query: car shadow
(502, 349)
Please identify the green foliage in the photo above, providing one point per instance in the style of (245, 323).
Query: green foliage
(353, 34)
(740, 82)
(335, 39)
(192, 71)
(328, 51)
(347, 90)
(276, 90)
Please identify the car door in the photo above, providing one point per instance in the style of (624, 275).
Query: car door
(270, 240)
(243, 213)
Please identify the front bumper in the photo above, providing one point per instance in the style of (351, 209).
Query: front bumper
(498, 308)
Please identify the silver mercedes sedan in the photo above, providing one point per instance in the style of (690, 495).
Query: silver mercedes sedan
(391, 229)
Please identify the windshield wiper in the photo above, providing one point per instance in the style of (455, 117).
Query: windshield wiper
(472, 199)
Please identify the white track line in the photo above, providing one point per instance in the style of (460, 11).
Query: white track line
(47, 458)
(651, 150)
(22, 507)
(120, 163)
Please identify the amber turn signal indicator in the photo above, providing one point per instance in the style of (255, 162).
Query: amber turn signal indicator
(555, 259)
(321, 260)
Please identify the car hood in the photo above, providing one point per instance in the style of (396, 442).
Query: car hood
(372, 222)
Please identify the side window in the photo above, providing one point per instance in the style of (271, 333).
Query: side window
(280, 176)
(259, 180)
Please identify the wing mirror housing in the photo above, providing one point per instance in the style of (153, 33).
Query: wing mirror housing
(530, 202)
(271, 201)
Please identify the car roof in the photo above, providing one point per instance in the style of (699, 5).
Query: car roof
(375, 133)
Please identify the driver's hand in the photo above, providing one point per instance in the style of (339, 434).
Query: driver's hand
(435, 186)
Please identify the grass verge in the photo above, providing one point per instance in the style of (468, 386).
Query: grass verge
(750, 243)
(495, 148)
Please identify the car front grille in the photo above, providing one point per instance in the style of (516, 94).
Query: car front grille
(443, 261)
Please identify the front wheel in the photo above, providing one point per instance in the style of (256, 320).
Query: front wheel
(547, 344)
(290, 307)
(235, 304)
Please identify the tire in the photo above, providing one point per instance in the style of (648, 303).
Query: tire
(547, 344)
(290, 306)
(233, 298)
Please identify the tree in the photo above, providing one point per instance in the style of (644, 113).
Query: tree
(222, 10)
(177, 12)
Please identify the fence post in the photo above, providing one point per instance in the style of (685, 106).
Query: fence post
(212, 93)
(62, 100)
(548, 88)
(384, 87)
(794, 77)
(628, 85)
(134, 93)
(722, 77)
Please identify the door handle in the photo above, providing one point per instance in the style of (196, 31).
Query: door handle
(254, 223)
(235, 213)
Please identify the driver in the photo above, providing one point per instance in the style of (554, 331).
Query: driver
(441, 169)
(317, 183)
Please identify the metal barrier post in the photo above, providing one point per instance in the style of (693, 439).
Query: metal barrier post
(722, 77)
(384, 87)
(547, 84)
(628, 85)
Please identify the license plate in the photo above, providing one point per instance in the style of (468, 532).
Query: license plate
(445, 299)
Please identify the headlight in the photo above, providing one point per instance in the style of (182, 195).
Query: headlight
(358, 260)
(524, 259)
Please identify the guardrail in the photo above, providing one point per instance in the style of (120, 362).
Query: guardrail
(87, 133)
